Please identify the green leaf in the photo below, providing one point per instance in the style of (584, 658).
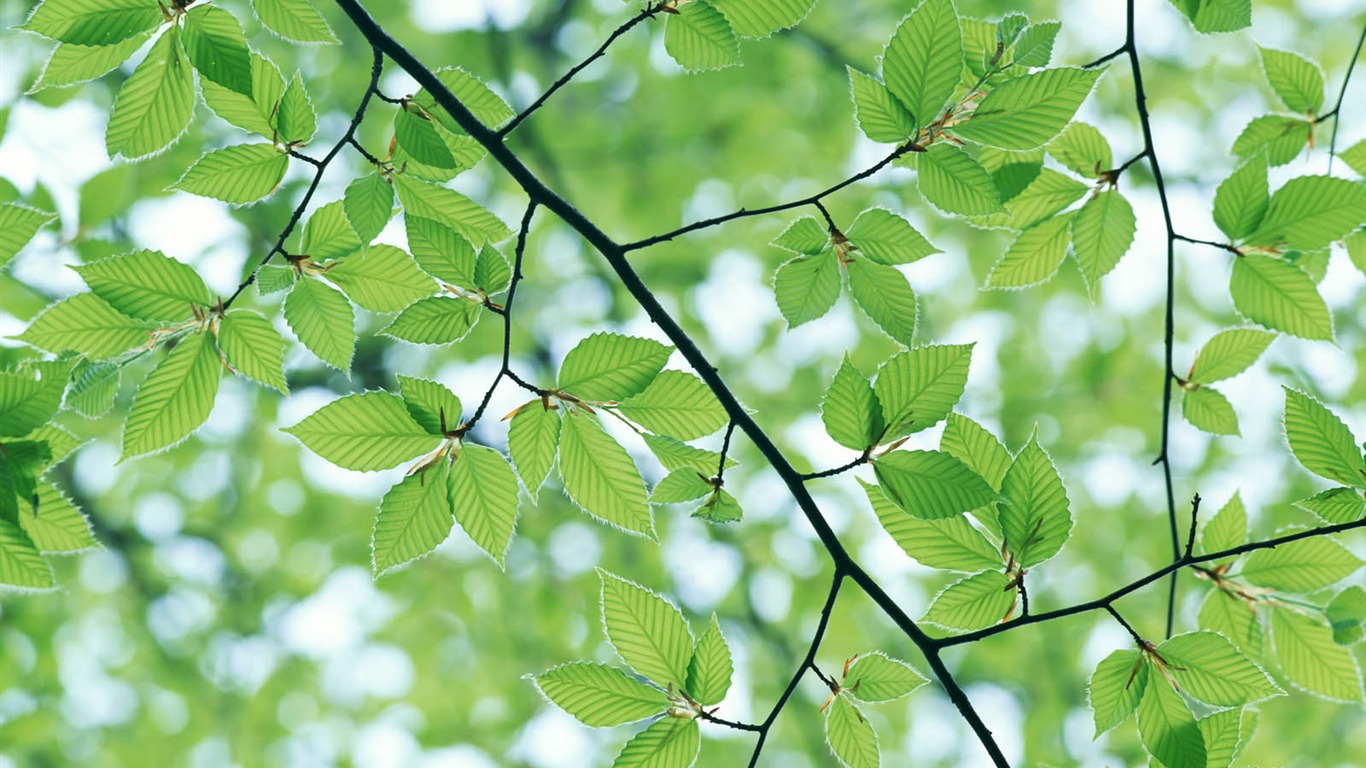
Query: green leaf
(1355, 244)
(1234, 618)
(918, 387)
(599, 696)
(669, 742)
(1346, 613)
(1083, 149)
(296, 118)
(448, 207)
(492, 274)
(698, 37)
(486, 105)
(1321, 442)
(1102, 232)
(533, 435)
(93, 388)
(1116, 687)
(720, 507)
(328, 234)
(1227, 529)
(1222, 733)
(761, 18)
(1035, 45)
(1209, 668)
(807, 287)
(93, 22)
(931, 485)
(155, 104)
(675, 455)
(369, 204)
(1241, 200)
(1210, 16)
(850, 735)
(85, 323)
(885, 296)
(1035, 255)
(1311, 212)
(1279, 295)
(1280, 137)
(257, 112)
(874, 677)
(417, 134)
(710, 669)
(430, 404)
(215, 45)
(20, 563)
(1207, 409)
(608, 366)
(974, 603)
(1046, 194)
(977, 447)
(1311, 660)
(951, 544)
(1168, 728)
(27, 402)
(382, 278)
(435, 320)
(295, 20)
(71, 64)
(323, 320)
(1297, 80)
(884, 237)
(953, 182)
(603, 480)
(850, 411)
(18, 225)
(21, 462)
(879, 114)
(677, 404)
(59, 526)
(647, 631)
(175, 398)
(414, 518)
(365, 432)
(1027, 111)
(681, 485)
(1303, 566)
(484, 496)
(924, 59)
(1335, 505)
(239, 175)
(804, 236)
(147, 285)
(253, 347)
(1354, 156)
(1036, 517)
(1229, 353)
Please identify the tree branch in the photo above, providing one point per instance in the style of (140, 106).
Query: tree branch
(1342, 94)
(506, 370)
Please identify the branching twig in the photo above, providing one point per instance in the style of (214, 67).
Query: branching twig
(506, 370)
(841, 469)
(1342, 94)
(1195, 518)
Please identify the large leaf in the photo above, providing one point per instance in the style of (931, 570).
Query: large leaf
(435, 320)
(807, 287)
(446, 206)
(648, 632)
(70, 64)
(1209, 668)
(1102, 232)
(253, 347)
(382, 278)
(1036, 516)
(931, 485)
(677, 404)
(611, 367)
(886, 238)
(924, 59)
(1297, 80)
(850, 411)
(1335, 505)
(155, 104)
(484, 497)
(955, 183)
(601, 477)
(1168, 728)
(93, 22)
(885, 296)
(1310, 212)
(85, 323)
(216, 47)
(1279, 295)
(1303, 566)
(850, 735)
(147, 285)
(175, 398)
(365, 432)
(952, 543)
(1321, 442)
(875, 677)
(599, 696)
(295, 20)
(239, 175)
(974, 603)
(761, 18)
(1027, 111)
(918, 387)
(1310, 658)
(698, 37)
(669, 742)
(414, 518)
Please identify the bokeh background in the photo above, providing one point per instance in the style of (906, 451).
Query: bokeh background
(231, 618)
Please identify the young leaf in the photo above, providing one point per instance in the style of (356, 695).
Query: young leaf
(698, 37)
(918, 387)
(430, 404)
(382, 278)
(414, 518)
(1346, 613)
(1102, 232)
(1210, 669)
(533, 435)
(1034, 256)
(1297, 80)
(1222, 734)
(365, 432)
(669, 742)
(1207, 409)
(924, 59)
(147, 285)
(720, 507)
(599, 696)
(296, 118)
(953, 182)
(256, 112)
(885, 296)
(1168, 728)
(85, 323)
(418, 135)
(1082, 149)
(477, 97)
(1044, 195)
(1241, 200)
(1321, 442)
(448, 207)
(1027, 111)
(483, 493)
(875, 677)
(681, 485)
(1234, 618)
(975, 446)
(1229, 353)
(1210, 16)
(803, 236)
(931, 485)
(59, 525)
(253, 347)
(602, 479)
(294, 20)
(93, 388)
(1303, 566)
(710, 669)
(92, 22)
(1227, 529)
(369, 204)
(323, 320)
(239, 175)
(1116, 687)
(71, 64)
(1281, 138)
(647, 631)
(885, 238)
(850, 411)
(677, 404)
(850, 735)
(216, 47)
(27, 402)
(879, 114)
(175, 398)
(952, 543)
(676, 455)
(610, 367)
(807, 287)
(1279, 295)
(435, 320)
(974, 603)
(1036, 517)
(764, 17)
(328, 234)
(492, 274)
(1311, 660)
(20, 563)
(1310, 212)
(1335, 505)
(18, 225)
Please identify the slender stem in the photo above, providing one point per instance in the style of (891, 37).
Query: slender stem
(1195, 518)
(725, 449)
(1116, 53)
(1342, 94)
(733, 724)
(1221, 246)
(1024, 597)
(1110, 608)
(506, 370)
(841, 469)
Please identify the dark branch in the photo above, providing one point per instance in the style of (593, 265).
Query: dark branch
(1195, 518)
(836, 470)
(1110, 608)
(1342, 94)
(1221, 246)
(505, 370)
(725, 449)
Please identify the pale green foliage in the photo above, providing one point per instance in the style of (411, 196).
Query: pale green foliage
(850, 735)
(974, 603)
(175, 398)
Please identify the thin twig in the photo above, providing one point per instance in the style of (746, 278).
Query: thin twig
(1211, 243)
(1342, 94)
(506, 370)
(1195, 517)
(725, 449)
(1110, 608)
(841, 469)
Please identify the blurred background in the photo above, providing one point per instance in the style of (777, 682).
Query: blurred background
(231, 618)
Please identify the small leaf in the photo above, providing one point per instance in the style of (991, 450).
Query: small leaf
(675, 455)
(382, 278)
(1035, 255)
(1102, 232)
(18, 225)
(1297, 80)
(1281, 138)
(59, 525)
(669, 742)
(435, 320)
(253, 347)
(953, 182)
(147, 285)
(1229, 353)
(441, 251)
(1303, 566)
(533, 436)
(328, 234)
(1227, 529)
(1210, 669)
(491, 271)
(1116, 687)
(977, 447)
(874, 677)
(1027, 111)
(365, 432)
(698, 37)
(647, 631)
(931, 485)
(255, 111)
(601, 478)
(879, 114)
(952, 543)
(1335, 505)
(369, 204)
(807, 287)
(600, 696)
(1241, 200)
(974, 603)
(886, 238)
(720, 507)
(483, 493)
(611, 367)
(418, 135)
(1279, 295)
(763, 18)
(677, 404)
(294, 20)
(885, 296)
(239, 175)
(1207, 409)
(27, 401)
(430, 404)
(175, 399)
(70, 64)
(1346, 613)
(850, 735)
(20, 563)
(710, 669)
(681, 485)
(1036, 517)
(1082, 149)
(1233, 618)
(296, 118)
(414, 519)
(804, 236)
(323, 320)
(850, 411)
(1321, 442)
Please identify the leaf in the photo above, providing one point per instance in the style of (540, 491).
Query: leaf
(885, 238)
(215, 45)
(20, 563)
(93, 388)
(807, 287)
(1222, 16)
(881, 117)
(677, 404)
(1297, 80)
(251, 345)
(850, 411)
(1035, 255)
(1221, 732)
(675, 455)
(874, 677)
(804, 236)
(92, 22)
(533, 436)
(931, 485)
(1278, 295)
(369, 204)
(296, 118)
(85, 323)
(1102, 232)
(669, 742)
(1303, 566)
(974, 603)
(1311, 660)
(1233, 618)
(1321, 442)
(147, 285)
(1168, 728)
(431, 405)
(1027, 111)
(18, 225)
(1045, 195)
(720, 507)
(1310, 212)
(1210, 669)
(761, 18)
(483, 492)
(469, 90)
(681, 485)
(328, 234)
(417, 134)
(850, 735)
(435, 320)
(1116, 687)
(1229, 353)
(1227, 529)
(598, 695)
(1207, 409)
(1241, 200)
(978, 448)
(1346, 613)
(647, 631)
(27, 402)
(1335, 505)
(414, 519)
(382, 278)
(1355, 244)
(448, 207)
(953, 182)
(698, 37)
(365, 432)
(1280, 137)
(885, 296)
(323, 320)
(608, 366)
(1036, 517)
(924, 59)
(1083, 149)
(239, 175)
(952, 543)
(1035, 46)
(295, 20)
(257, 112)
(491, 271)
(71, 64)
(59, 526)
(918, 387)
(710, 669)
(175, 399)
(603, 480)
